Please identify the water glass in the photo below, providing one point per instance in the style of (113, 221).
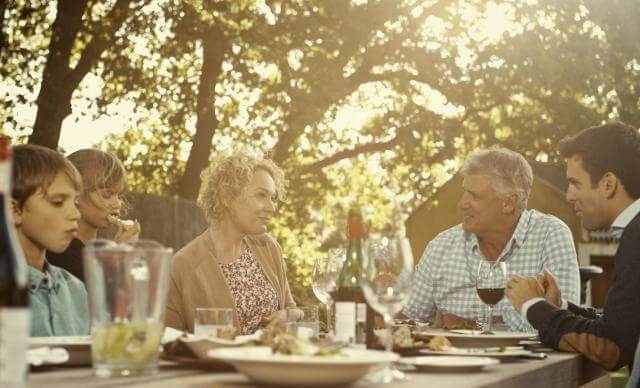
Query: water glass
(303, 321)
(127, 286)
(323, 280)
(215, 322)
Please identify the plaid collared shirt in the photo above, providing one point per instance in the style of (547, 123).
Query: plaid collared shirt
(445, 277)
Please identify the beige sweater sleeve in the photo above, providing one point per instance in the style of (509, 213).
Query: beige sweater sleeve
(173, 312)
(288, 297)
(173, 316)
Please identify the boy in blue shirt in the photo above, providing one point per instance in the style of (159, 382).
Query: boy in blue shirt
(44, 200)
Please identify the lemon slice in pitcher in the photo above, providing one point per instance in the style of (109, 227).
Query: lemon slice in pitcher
(144, 343)
(133, 342)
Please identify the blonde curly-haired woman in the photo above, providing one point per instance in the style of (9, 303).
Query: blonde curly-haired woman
(234, 263)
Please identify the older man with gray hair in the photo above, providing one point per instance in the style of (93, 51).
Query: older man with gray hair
(496, 227)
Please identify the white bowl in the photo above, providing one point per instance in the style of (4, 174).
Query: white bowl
(262, 366)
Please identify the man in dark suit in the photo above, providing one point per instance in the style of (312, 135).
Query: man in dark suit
(603, 171)
(634, 378)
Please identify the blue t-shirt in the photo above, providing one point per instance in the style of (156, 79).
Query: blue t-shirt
(59, 303)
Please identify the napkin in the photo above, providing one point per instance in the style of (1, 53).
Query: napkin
(47, 355)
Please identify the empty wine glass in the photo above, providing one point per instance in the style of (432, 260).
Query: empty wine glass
(386, 283)
(323, 280)
(490, 284)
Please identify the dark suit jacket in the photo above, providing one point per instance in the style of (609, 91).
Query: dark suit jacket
(609, 339)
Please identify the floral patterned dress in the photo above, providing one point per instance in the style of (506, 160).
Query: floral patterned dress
(252, 292)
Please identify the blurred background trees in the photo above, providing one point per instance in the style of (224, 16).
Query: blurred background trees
(374, 102)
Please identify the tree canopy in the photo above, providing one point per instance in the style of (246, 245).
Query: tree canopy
(374, 102)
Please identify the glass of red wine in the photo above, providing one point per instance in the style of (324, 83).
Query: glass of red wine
(490, 284)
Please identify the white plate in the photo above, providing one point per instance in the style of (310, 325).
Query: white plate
(79, 347)
(262, 366)
(170, 334)
(47, 356)
(201, 345)
(449, 363)
(473, 338)
(509, 351)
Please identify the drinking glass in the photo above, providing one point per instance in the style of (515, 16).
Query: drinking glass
(490, 284)
(303, 321)
(323, 280)
(127, 286)
(386, 283)
(215, 322)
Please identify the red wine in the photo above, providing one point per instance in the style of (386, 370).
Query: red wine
(491, 296)
(14, 307)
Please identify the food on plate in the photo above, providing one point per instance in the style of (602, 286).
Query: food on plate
(403, 338)
(124, 224)
(439, 343)
(461, 326)
(500, 349)
(410, 322)
(276, 327)
(287, 343)
(226, 332)
(452, 322)
(281, 342)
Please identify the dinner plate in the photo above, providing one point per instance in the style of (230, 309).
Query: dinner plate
(449, 363)
(79, 347)
(259, 364)
(201, 345)
(197, 363)
(46, 356)
(495, 352)
(474, 338)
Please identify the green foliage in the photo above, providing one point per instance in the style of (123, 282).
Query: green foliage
(432, 78)
(25, 36)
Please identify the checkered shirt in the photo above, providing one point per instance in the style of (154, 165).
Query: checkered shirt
(445, 277)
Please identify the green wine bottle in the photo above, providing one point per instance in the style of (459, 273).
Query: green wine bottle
(350, 305)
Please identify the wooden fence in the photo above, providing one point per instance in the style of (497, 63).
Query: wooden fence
(171, 221)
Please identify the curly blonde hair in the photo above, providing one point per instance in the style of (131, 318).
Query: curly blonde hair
(228, 176)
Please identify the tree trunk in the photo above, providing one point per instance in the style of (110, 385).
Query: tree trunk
(214, 46)
(59, 80)
(54, 99)
(3, 7)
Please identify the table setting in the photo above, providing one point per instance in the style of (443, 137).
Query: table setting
(128, 338)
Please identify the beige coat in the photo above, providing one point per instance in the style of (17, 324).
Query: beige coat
(197, 281)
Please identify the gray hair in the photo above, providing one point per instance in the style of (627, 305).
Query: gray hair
(510, 170)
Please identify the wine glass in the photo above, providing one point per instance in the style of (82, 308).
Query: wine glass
(490, 284)
(386, 283)
(323, 280)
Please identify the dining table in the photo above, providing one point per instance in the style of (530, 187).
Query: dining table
(559, 369)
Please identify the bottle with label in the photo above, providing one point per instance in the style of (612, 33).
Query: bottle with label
(350, 306)
(14, 309)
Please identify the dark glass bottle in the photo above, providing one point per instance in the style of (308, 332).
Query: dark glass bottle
(14, 306)
(350, 306)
